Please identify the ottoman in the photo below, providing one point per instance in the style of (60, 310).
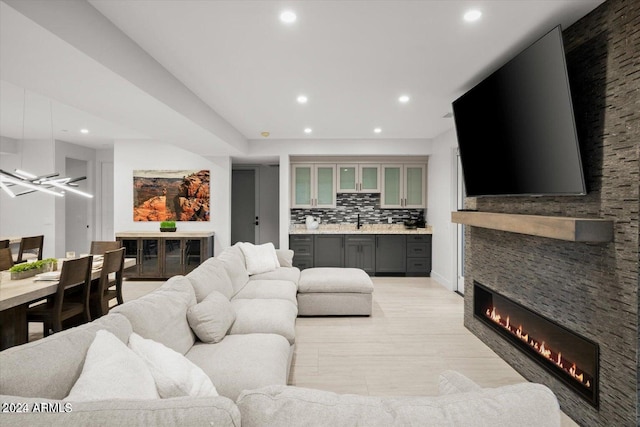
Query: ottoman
(334, 292)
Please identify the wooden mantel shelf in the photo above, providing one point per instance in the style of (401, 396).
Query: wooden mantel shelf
(555, 227)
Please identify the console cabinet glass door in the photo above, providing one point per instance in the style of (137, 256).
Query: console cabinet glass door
(149, 257)
(172, 257)
(193, 251)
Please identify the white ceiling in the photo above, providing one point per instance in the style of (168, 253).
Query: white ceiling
(351, 58)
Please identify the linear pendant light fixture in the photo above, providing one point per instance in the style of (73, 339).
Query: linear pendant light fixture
(44, 183)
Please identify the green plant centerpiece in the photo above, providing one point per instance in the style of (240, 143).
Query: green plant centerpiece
(28, 269)
(168, 226)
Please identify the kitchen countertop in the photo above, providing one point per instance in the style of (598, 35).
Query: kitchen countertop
(364, 229)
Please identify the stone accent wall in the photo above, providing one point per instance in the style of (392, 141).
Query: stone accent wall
(589, 288)
(349, 205)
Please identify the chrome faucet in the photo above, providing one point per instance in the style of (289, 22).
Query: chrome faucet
(358, 225)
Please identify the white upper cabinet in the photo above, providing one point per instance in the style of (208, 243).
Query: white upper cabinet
(358, 178)
(403, 186)
(313, 185)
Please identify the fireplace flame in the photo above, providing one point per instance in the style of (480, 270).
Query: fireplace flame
(541, 348)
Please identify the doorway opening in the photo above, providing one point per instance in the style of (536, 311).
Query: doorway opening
(255, 195)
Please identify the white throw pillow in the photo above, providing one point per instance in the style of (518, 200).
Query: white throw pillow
(112, 371)
(259, 258)
(175, 375)
(211, 318)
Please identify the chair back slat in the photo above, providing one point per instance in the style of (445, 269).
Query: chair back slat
(6, 259)
(30, 245)
(4, 243)
(75, 272)
(100, 247)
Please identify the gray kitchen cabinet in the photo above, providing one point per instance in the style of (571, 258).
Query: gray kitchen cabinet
(360, 252)
(391, 252)
(419, 255)
(302, 247)
(328, 250)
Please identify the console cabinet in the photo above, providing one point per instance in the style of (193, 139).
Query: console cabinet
(408, 254)
(163, 255)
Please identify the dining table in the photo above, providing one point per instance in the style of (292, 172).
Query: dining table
(17, 295)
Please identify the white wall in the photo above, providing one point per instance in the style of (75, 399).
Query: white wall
(441, 202)
(150, 155)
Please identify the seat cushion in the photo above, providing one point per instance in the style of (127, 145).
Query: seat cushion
(329, 279)
(269, 289)
(292, 274)
(209, 276)
(243, 362)
(265, 316)
(162, 314)
(524, 405)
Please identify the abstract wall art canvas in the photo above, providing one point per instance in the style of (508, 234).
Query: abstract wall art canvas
(171, 195)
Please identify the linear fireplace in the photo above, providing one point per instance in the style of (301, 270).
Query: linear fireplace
(568, 356)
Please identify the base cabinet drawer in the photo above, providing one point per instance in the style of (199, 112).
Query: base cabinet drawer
(418, 265)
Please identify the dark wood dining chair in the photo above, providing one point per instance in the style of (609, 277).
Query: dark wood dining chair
(109, 285)
(30, 248)
(4, 243)
(70, 300)
(100, 247)
(6, 259)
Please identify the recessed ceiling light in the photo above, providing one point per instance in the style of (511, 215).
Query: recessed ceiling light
(377, 130)
(404, 99)
(302, 99)
(288, 17)
(308, 130)
(84, 130)
(265, 134)
(472, 15)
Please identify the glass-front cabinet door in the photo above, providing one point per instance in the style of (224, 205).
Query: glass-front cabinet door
(348, 178)
(131, 251)
(172, 257)
(325, 186)
(301, 194)
(149, 257)
(392, 191)
(369, 178)
(414, 186)
(193, 252)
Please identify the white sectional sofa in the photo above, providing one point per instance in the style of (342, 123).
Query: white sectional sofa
(249, 365)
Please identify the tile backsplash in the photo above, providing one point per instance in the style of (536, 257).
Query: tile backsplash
(349, 205)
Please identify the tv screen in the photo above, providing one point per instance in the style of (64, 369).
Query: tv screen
(516, 130)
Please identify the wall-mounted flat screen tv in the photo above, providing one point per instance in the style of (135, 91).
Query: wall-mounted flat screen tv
(516, 129)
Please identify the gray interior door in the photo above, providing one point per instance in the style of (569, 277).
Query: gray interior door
(243, 206)
(77, 227)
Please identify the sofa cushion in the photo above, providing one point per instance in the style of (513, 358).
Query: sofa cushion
(54, 363)
(233, 261)
(162, 314)
(243, 362)
(329, 279)
(259, 258)
(112, 371)
(291, 274)
(265, 316)
(451, 382)
(209, 276)
(174, 374)
(524, 405)
(285, 257)
(178, 411)
(212, 318)
(269, 289)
